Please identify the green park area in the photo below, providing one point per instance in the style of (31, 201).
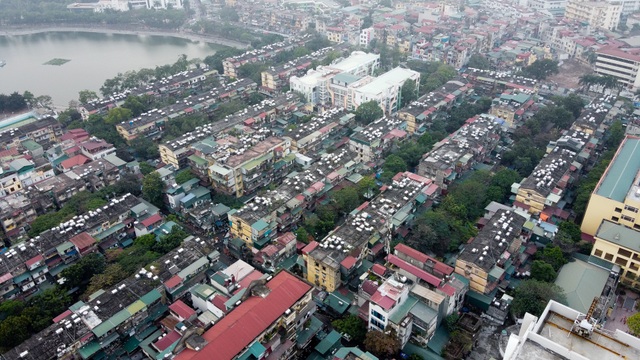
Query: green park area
(57, 62)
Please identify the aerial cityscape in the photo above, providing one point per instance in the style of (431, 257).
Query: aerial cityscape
(320, 179)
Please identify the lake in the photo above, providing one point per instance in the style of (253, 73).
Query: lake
(93, 59)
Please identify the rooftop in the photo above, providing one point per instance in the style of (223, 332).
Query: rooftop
(393, 78)
(549, 171)
(237, 330)
(495, 243)
(355, 60)
(581, 282)
(622, 177)
(619, 234)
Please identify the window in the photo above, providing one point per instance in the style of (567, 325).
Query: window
(377, 315)
(628, 218)
(633, 266)
(617, 210)
(623, 252)
(614, 218)
(608, 257)
(377, 324)
(621, 261)
(598, 253)
(631, 208)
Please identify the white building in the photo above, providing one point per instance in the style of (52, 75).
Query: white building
(621, 64)
(564, 333)
(366, 35)
(599, 14)
(554, 7)
(384, 304)
(315, 84)
(385, 89)
(164, 4)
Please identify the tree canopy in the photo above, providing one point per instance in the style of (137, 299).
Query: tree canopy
(633, 323)
(532, 296)
(352, 326)
(381, 344)
(478, 61)
(368, 112)
(152, 189)
(541, 69)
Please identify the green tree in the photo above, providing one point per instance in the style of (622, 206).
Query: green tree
(145, 149)
(553, 255)
(352, 326)
(81, 272)
(478, 61)
(112, 275)
(532, 296)
(615, 135)
(84, 96)
(117, 115)
(153, 189)
(381, 344)
(541, 69)
(302, 235)
(184, 176)
(451, 322)
(146, 168)
(542, 271)
(347, 199)
(368, 112)
(13, 331)
(633, 323)
(408, 92)
(572, 102)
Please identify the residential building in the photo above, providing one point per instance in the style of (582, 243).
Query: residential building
(44, 132)
(511, 107)
(492, 256)
(384, 89)
(489, 82)
(330, 262)
(616, 197)
(621, 63)
(315, 84)
(386, 302)
(266, 321)
(421, 113)
(617, 244)
(456, 154)
(562, 332)
(326, 128)
(371, 143)
(231, 64)
(599, 14)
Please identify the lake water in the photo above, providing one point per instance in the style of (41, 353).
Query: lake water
(94, 58)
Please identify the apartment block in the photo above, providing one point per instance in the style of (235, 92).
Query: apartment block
(492, 257)
(329, 261)
(151, 123)
(616, 197)
(419, 114)
(623, 64)
(456, 154)
(511, 107)
(371, 143)
(266, 321)
(599, 14)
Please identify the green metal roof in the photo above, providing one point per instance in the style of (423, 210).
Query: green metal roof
(191, 269)
(331, 340)
(135, 307)
(259, 225)
(198, 160)
(619, 234)
(307, 332)
(64, 247)
(88, 350)
(581, 282)
(402, 311)
(621, 172)
(151, 297)
(109, 231)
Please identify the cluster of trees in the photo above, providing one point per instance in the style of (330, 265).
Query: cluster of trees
(601, 82)
(531, 139)
(82, 202)
(55, 12)
(225, 29)
(368, 112)
(336, 206)
(541, 69)
(432, 74)
(451, 223)
(13, 102)
(133, 79)
(19, 319)
(479, 61)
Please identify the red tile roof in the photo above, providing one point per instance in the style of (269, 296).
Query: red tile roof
(369, 287)
(244, 283)
(383, 301)
(74, 161)
(83, 241)
(413, 270)
(167, 341)
(219, 302)
(309, 248)
(348, 262)
(378, 269)
(33, 260)
(229, 336)
(62, 316)
(173, 282)
(151, 220)
(423, 258)
(182, 310)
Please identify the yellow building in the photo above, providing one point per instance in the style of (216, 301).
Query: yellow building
(619, 244)
(323, 271)
(616, 197)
